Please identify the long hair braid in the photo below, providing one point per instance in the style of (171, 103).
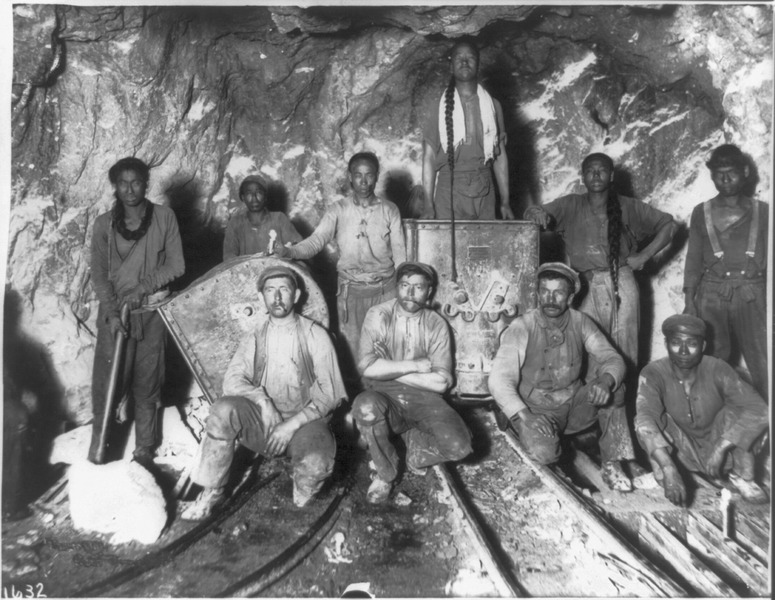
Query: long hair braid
(614, 212)
(449, 107)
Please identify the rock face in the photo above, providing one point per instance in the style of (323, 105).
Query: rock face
(120, 499)
(207, 95)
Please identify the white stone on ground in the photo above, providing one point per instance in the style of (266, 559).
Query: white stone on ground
(120, 499)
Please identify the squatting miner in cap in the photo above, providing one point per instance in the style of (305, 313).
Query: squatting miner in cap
(278, 393)
(695, 411)
(406, 361)
(725, 279)
(538, 382)
(368, 233)
(248, 231)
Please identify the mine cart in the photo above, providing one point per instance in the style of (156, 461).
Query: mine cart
(210, 317)
(487, 272)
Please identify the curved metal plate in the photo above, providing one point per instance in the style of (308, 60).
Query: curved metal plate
(210, 317)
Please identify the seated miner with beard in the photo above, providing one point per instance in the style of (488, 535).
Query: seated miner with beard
(406, 361)
(695, 411)
(249, 230)
(279, 390)
(536, 376)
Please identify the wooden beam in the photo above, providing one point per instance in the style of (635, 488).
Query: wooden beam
(696, 574)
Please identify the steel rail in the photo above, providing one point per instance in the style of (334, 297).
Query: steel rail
(164, 555)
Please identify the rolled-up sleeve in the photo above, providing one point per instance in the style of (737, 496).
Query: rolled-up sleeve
(323, 234)
(505, 375)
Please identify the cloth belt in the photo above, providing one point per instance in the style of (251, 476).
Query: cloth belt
(358, 289)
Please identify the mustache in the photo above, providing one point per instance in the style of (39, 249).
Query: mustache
(551, 306)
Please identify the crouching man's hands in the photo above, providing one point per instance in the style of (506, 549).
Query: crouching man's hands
(599, 390)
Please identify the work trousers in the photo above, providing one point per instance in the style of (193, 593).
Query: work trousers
(575, 416)
(473, 194)
(143, 376)
(736, 311)
(353, 301)
(312, 448)
(431, 429)
(693, 454)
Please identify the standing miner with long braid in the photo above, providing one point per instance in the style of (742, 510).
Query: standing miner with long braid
(465, 144)
(603, 232)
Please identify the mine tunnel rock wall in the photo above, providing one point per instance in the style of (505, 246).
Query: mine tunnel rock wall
(208, 95)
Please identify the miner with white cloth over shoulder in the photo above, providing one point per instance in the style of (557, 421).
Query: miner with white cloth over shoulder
(696, 412)
(279, 391)
(406, 362)
(536, 377)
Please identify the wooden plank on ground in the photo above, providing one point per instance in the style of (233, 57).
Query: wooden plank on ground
(709, 541)
(701, 579)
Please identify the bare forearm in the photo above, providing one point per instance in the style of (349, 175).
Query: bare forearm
(384, 369)
(661, 239)
(432, 382)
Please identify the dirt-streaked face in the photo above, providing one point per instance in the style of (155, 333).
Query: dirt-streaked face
(729, 181)
(280, 295)
(597, 175)
(413, 292)
(684, 349)
(130, 188)
(554, 297)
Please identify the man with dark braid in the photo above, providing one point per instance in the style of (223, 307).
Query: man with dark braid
(603, 232)
(135, 253)
(725, 280)
(464, 144)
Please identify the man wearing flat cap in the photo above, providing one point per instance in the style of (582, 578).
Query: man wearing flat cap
(248, 231)
(406, 360)
(694, 411)
(537, 378)
(278, 392)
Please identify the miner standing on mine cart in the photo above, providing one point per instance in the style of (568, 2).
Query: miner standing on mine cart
(536, 377)
(279, 390)
(602, 231)
(135, 253)
(248, 231)
(406, 362)
(725, 279)
(464, 143)
(367, 230)
(699, 409)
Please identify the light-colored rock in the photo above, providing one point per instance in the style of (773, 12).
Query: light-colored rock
(120, 499)
(71, 447)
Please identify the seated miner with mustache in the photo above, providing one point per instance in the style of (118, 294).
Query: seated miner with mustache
(406, 361)
(536, 376)
(696, 413)
(279, 390)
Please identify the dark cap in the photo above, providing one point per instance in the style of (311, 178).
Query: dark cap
(416, 267)
(564, 270)
(277, 271)
(253, 179)
(687, 324)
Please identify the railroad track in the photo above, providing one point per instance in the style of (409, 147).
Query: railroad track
(577, 550)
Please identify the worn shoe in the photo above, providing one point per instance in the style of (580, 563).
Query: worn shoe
(379, 491)
(420, 471)
(300, 497)
(749, 490)
(614, 476)
(203, 507)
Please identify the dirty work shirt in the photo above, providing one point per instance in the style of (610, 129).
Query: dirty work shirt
(474, 187)
(295, 366)
(154, 261)
(242, 237)
(538, 366)
(731, 291)
(719, 404)
(431, 429)
(586, 234)
(280, 368)
(370, 240)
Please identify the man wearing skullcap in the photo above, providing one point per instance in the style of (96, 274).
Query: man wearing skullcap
(536, 378)
(725, 279)
(248, 229)
(278, 392)
(406, 361)
(695, 411)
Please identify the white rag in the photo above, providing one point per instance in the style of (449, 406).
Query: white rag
(489, 123)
